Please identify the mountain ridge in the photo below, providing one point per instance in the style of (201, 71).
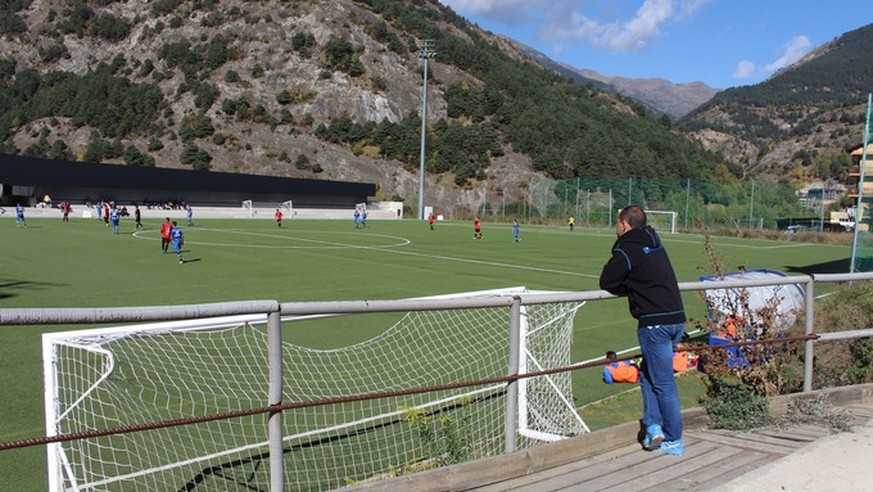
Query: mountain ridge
(662, 95)
(326, 88)
(332, 88)
(800, 122)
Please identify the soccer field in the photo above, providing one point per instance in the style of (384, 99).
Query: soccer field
(82, 264)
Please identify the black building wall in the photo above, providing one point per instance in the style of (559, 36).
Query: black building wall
(29, 179)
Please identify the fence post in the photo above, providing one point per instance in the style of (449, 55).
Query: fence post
(274, 341)
(511, 421)
(810, 328)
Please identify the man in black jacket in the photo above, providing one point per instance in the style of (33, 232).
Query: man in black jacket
(640, 269)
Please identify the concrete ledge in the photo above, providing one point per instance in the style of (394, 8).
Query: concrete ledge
(841, 396)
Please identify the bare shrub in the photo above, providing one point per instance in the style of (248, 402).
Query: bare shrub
(844, 362)
(740, 379)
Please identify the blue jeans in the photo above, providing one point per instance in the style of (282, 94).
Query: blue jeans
(660, 394)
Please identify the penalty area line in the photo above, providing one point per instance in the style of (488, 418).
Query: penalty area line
(309, 243)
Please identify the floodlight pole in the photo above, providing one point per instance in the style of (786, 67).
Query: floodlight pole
(425, 53)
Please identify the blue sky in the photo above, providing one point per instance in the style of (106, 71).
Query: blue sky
(723, 43)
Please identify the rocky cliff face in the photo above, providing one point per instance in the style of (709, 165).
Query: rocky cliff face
(266, 61)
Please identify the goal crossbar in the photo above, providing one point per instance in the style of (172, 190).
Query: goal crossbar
(670, 216)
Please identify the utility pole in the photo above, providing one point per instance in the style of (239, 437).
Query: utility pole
(425, 52)
(752, 205)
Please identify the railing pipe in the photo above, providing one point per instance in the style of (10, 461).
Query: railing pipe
(511, 414)
(809, 329)
(36, 316)
(275, 427)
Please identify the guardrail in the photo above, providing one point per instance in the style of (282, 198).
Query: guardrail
(274, 311)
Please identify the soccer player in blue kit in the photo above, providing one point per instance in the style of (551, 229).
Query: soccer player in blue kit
(113, 219)
(178, 240)
(19, 216)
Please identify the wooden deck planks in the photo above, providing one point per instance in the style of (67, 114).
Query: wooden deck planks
(712, 459)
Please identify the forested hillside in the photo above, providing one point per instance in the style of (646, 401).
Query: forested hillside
(799, 122)
(318, 88)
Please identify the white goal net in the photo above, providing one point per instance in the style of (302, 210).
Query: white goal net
(132, 375)
(287, 208)
(662, 220)
(248, 207)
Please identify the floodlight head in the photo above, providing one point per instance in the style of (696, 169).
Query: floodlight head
(425, 51)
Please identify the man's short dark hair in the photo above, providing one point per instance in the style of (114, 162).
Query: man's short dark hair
(634, 215)
(611, 355)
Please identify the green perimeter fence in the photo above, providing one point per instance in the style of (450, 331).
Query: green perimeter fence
(731, 204)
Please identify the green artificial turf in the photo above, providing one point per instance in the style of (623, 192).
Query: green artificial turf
(82, 264)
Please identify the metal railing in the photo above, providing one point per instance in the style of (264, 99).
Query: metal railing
(274, 311)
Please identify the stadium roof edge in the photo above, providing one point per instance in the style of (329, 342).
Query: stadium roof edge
(92, 179)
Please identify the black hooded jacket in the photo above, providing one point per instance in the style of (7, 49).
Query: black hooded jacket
(640, 269)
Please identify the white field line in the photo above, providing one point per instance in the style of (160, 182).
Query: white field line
(492, 263)
(321, 244)
(748, 246)
(667, 238)
(310, 243)
(401, 242)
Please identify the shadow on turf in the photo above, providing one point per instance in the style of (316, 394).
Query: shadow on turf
(21, 284)
(836, 266)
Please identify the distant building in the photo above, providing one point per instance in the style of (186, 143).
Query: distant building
(818, 192)
(29, 179)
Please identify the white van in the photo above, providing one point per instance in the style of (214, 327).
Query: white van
(847, 223)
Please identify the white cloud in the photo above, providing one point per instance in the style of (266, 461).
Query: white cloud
(793, 50)
(687, 8)
(632, 34)
(744, 70)
(509, 11)
(563, 21)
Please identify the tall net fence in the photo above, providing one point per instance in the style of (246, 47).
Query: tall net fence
(862, 213)
(862, 243)
(734, 204)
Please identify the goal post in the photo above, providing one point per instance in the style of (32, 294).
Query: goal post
(287, 208)
(147, 373)
(248, 207)
(662, 220)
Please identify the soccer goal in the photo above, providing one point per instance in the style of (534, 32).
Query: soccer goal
(133, 375)
(662, 220)
(249, 208)
(287, 208)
